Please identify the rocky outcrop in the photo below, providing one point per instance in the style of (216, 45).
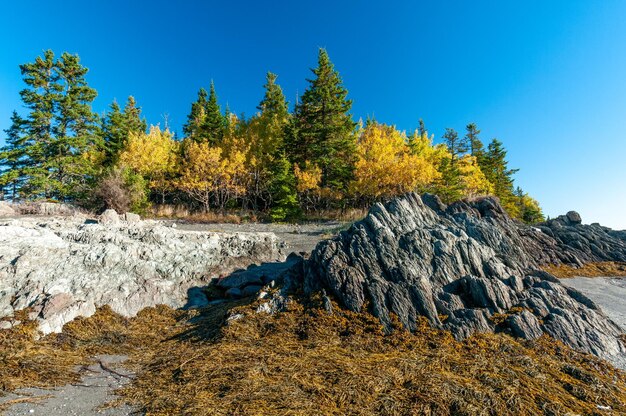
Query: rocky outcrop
(468, 268)
(63, 268)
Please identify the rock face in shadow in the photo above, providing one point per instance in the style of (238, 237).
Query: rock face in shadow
(468, 268)
(63, 268)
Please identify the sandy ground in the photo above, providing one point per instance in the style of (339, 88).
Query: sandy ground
(101, 379)
(83, 398)
(609, 293)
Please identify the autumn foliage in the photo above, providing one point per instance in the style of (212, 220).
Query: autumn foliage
(279, 164)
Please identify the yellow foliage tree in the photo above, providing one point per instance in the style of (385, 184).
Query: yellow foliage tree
(210, 177)
(308, 180)
(153, 156)
(387, 166)
(474, 182)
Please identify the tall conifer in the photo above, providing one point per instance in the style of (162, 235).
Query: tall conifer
(324, 132)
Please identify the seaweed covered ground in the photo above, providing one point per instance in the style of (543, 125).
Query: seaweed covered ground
(597, 269)
(229, 360)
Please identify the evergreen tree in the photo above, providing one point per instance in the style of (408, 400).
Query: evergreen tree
(449, 186)
(495, 167)
(283, 190)
(114, 133)
(195, 120)
(132, 115)
(457, 146)
(117, 125)
(324, 132)
(273, 121)
(473, 140)
(75, 130)
(528, 209)
(421, 130)
(214, 124)
(60, 129)
(13, 157)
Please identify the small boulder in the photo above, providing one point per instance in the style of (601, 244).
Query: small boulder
(574, 217)
(109, 217)
(6, 210)
(131, 218)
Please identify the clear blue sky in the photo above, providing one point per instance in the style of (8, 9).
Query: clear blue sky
(548, 78)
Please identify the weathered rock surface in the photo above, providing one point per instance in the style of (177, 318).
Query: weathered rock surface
(460, 265)
(63, 268)
(6, 210)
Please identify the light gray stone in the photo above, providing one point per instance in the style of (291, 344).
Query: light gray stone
(131, 217)
(63, 268)
(109, 217)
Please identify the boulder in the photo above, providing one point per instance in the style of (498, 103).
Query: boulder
(460, 265)
(131, 217)
(109, 217)
(574, 218)
(6, 210)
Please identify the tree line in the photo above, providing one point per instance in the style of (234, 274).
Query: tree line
(282, 164)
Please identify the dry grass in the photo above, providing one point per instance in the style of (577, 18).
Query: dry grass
(307, 362)
(600, 269)
(212, 217)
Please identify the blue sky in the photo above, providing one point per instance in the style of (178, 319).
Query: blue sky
(546, 78)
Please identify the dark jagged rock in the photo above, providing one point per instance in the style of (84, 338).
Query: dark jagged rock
(461, 266)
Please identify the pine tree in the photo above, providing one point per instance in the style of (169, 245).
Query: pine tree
(13, 157)
(214, 124)
(324, 132)
(456, 145)
(195, 120)
(61, 129)
(76, 131)
(473, 140)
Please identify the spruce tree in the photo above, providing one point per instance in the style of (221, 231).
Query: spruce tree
(114, 133)
(13, 157)
(117, 125)
(473, 140)
(195, 120)
(496, 170)
(421, 130)
(214, 124)
(449, 186)
(457, 146)
(132, 116)
(324, 132)
(274, 120)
